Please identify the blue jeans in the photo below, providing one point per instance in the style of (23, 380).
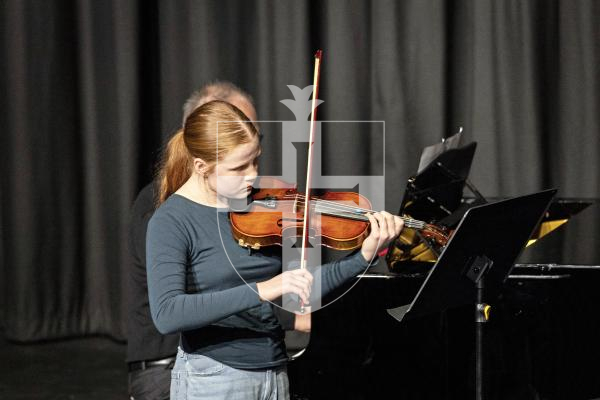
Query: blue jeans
(199, 377)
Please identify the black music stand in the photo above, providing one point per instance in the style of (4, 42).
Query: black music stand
(477, 261)
(436, 191)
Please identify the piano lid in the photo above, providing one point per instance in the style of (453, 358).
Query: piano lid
(558, 214)
(436, 195)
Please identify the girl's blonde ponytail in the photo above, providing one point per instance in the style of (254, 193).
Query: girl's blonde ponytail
(175, 169)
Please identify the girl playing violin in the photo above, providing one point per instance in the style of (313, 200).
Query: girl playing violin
(231, 344)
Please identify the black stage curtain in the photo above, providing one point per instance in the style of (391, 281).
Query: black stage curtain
(90, 90)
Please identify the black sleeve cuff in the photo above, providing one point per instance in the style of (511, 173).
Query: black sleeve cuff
(286, 319)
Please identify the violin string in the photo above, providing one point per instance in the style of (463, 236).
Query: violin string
(354, 210)
(348, 210)
(333, 207)
(337, 204)
(336, 212)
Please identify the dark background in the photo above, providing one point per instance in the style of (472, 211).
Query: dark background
(90, 90)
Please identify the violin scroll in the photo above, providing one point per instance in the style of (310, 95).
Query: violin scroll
(439, 234)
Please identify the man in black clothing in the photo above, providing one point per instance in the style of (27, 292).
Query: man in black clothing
(150, 355)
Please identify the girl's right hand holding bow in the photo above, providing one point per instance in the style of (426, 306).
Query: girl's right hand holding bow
(297, 281)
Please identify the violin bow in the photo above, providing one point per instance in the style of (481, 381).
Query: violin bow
(311, 141)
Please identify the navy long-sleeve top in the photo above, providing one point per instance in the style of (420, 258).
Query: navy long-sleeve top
(202, 284)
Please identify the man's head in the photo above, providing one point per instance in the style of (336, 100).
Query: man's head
(224, 91)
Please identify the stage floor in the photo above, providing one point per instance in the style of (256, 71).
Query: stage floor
(87, 368)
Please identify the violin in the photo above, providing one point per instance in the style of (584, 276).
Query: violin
(278, 211)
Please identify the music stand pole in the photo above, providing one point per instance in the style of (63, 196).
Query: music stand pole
(479, 321)
(476, 273)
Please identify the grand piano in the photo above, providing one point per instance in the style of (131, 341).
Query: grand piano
(542, 338)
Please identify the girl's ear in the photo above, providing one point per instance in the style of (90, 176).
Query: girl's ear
(200, 167)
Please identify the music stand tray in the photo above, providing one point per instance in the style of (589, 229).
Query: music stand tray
(480, 255)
